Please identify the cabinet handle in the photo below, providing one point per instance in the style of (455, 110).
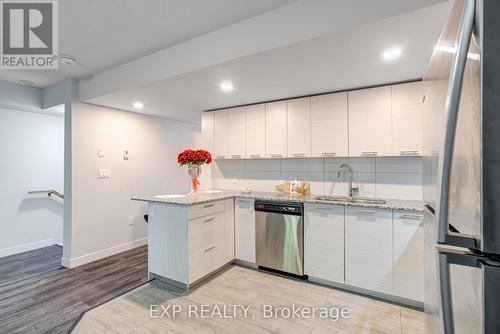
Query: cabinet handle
(412, 217)
(276, 155)
(298, 155)
(208, 220)
(367, 213)
(369, 154)
(329, 154)
(209, 249)
(409, 152)
(206, 206)
(323, 208)
(255, 156)
(236, 156)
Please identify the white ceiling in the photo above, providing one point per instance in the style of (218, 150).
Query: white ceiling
(103, 34)
(342, 60)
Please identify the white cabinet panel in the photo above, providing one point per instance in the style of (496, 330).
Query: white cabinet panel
(276, 137)
(324, 242)
(369, 249)
(244, 230)
(329, 123)
(229, 230)
(236, 129)
(207, 131)
(221, 134)
(407, 118)
(370, 122)
(256, 131)
(299, 127)
(409, 255)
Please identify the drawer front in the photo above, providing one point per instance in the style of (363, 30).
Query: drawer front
(205, 259)
(206, 209)
(205, 230)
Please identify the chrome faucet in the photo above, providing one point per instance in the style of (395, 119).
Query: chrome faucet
(342, 169)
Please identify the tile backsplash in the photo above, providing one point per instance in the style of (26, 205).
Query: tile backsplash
(383, 177)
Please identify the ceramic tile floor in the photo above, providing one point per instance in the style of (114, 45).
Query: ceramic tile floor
(256, 291)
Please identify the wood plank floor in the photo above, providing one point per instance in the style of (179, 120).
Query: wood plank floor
(37, 295)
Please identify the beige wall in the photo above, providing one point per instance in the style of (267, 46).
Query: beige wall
(101, 210)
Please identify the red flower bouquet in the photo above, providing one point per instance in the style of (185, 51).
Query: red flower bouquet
(194, 157)
(193, 160)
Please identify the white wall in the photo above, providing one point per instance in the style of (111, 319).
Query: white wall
(32, 157)
(389, 177)
(101, 209)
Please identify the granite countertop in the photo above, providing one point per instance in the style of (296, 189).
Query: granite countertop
(201, 197)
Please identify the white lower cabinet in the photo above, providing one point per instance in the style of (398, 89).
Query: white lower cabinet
(409, 255)
(244, 230)
(369, 249)
(324, 242)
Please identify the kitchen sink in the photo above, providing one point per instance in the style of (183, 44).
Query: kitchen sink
(350, 199)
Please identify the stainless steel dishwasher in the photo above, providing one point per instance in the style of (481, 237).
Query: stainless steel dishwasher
(279, 236)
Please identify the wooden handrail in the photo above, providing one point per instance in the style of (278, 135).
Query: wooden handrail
(49, 192)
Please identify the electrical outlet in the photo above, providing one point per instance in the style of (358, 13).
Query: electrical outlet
(125, 154)
(131, 220)
(100, 152)
(234, 180)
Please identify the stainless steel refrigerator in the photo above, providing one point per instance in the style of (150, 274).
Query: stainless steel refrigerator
(462, 173)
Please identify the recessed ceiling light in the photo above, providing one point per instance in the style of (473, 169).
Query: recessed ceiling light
(27, 82)
(67, 59)
(226, 86)
(392, 54)
(138, 105)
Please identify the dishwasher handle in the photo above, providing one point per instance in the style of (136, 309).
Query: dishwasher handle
(295, 209)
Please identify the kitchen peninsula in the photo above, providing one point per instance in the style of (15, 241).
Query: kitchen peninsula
(375, 246)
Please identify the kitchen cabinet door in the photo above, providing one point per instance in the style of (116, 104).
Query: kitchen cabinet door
(237, 124)
(324, 242)
(244, 230)
(229, 230)
(221, 134)
(207, 131)
(407, 118)
(409, 255)
(369, 249)
(370, 131)
(276, 137)
(256, 131)
(329, 123)
(299, 127)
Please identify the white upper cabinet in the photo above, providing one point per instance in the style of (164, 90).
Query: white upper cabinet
(370, 131)
(221, 134)
(299, 127)
(407, 118)
(236, 120)
(207, 131)
(276, 137)
(256, 131)
(329, 136)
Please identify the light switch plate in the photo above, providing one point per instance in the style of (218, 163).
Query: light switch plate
(104, 174)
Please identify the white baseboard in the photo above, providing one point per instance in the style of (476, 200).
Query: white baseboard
(84, 259)
(26, 247)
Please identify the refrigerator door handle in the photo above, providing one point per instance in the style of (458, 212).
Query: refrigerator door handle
(445, 291)
(447, 257)
(452, 106)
